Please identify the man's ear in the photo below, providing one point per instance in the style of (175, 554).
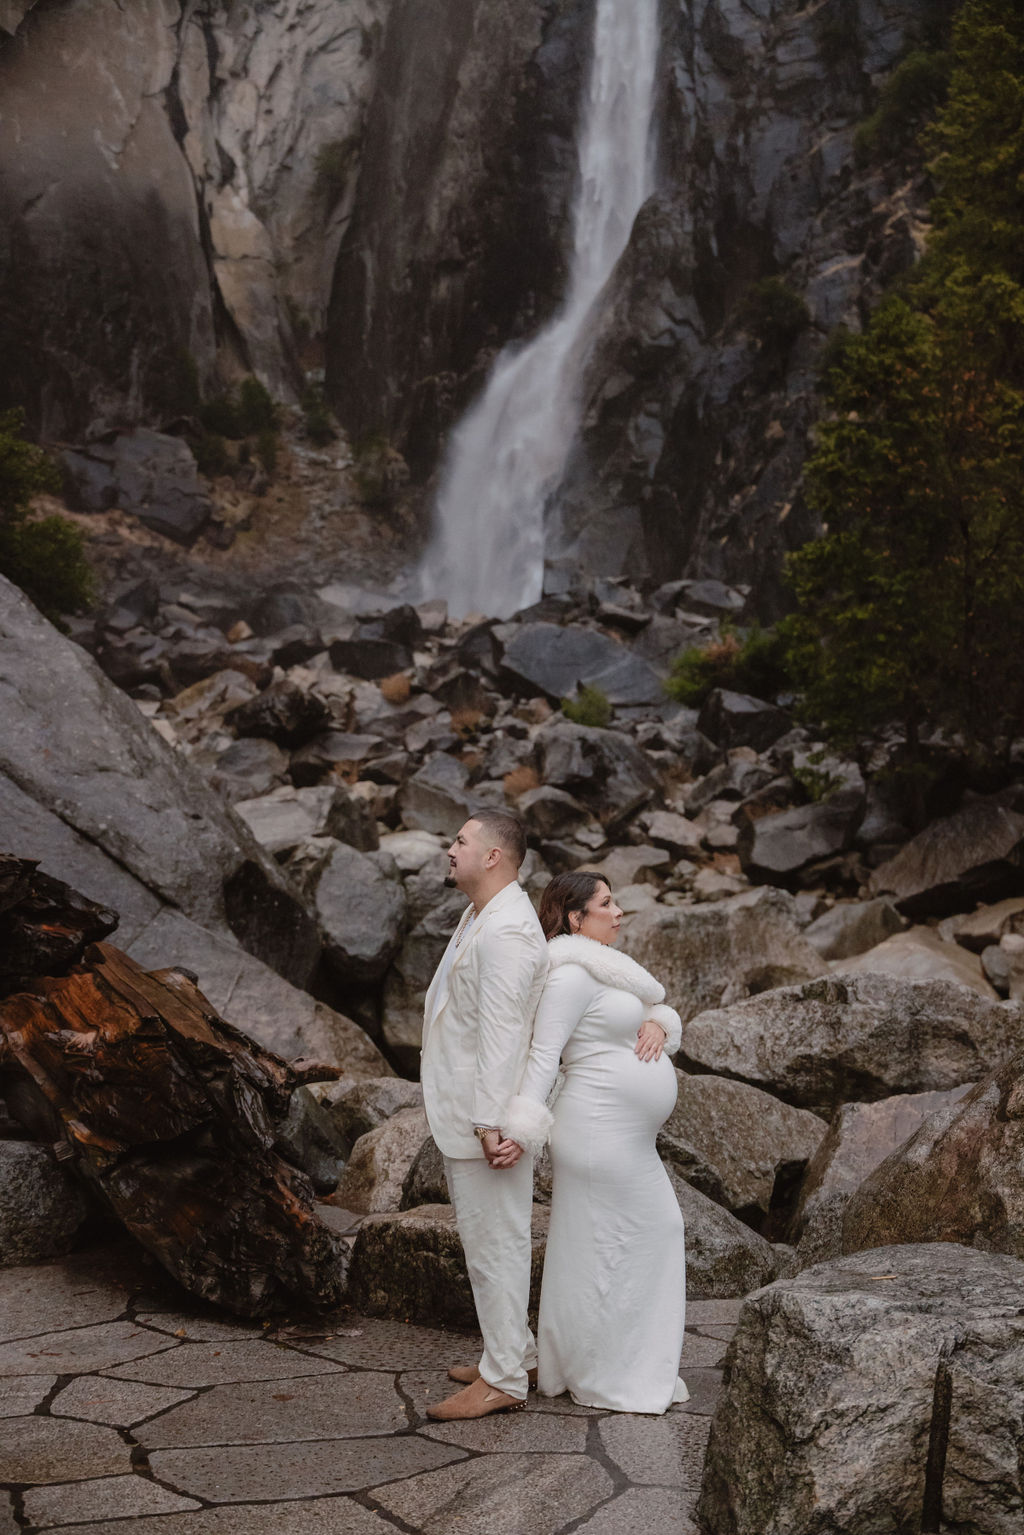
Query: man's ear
(493, 857)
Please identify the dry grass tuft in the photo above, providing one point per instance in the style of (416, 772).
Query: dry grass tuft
(519, 780)
(397, 688)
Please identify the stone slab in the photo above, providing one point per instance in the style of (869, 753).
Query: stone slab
(34, 1297)
(326, 1516)
(80, 1350)
(523, 1432)
(639, 1511)
(208, 1364)
(37, 1450)
(508, 1492)
(261, 1474)
(701, 1352)
(121, 1403)
(198, 1329)
(701, 1312)
(659, 1452)
(112, 1497)
(379, 1344)
(358, 1405)
(21, 1394)
(705, 1388)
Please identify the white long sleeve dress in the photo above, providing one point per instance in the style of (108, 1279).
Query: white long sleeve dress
(613, 1297)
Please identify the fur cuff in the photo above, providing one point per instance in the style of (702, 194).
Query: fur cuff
(668, 1019)
(527, 1122)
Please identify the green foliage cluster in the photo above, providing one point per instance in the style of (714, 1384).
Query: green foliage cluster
(910, 608)
(775, 314)
(754, 663)
(911, 95)
(319, 428)
(589, 707)
(248, 417)
(45, 557)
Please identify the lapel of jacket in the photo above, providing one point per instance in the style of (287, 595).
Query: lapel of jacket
(437, 995)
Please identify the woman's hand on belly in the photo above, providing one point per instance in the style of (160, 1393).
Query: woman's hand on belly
(650, 1040)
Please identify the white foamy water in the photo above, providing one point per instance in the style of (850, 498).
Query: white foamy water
(507, 457)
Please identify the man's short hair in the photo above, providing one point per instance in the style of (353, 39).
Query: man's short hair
(504, 831)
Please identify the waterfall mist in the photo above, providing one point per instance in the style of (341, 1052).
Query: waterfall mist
(507, 457)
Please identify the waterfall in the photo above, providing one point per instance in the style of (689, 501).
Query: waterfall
(507, 457)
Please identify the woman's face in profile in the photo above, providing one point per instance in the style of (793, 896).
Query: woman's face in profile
(602, 918)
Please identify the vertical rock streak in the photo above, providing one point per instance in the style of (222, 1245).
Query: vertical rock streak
(507, 457)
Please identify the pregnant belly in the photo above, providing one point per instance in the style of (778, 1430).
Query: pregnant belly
(619, 1092)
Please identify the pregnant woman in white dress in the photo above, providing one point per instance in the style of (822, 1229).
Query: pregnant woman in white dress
(613, 1296)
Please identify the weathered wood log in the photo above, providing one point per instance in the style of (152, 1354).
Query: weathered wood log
(170, 1112)
(45, 926)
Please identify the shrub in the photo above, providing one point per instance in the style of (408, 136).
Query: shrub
(754, 664)
(589, 707)
(319, 428)
(774, 314)
(256, 410)
(913, 92)
(219, 417)
(210, 453)
(266, 449)
(45, 558)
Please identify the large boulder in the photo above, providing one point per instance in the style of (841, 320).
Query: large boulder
(545, 658)
(41, 1205)
(283, 712)
(957, 1179)
(602, 768)
(921, 955)
(411, 1266)
(356, 1107)
(145, 473)
(853, 1039)
(437, 798)
(379, 1164)
(860, 1137)
(737, 719)
(283, 820)
(410, 974)
(705, 954)
(79, 752)
(250, 995)
(777, 849)
(737, 1144)
(362, 912)
(724, 1258)
(851, 927)
(880, 1392)
(975, 855)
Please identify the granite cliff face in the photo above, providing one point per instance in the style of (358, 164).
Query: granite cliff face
(172, 197)
(198, 191)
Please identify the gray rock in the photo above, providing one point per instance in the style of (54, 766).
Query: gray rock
(850, 927)
(369, 658)
(957, 1179)
(282, 821)
(252, 997)
(674, 832)
(425, 1182)
(920, 955)
(362, 913)
(974, 855)
(411, 1266)
(600, 767)
(284, 713)
(249, 769)
(631, 866)
(551, 812)
(41, 1205)
(851, 1039)
(372, 1181)
(738, 778)
(724, 1257)
(555, 661)
(80, 749)
(147, 474)
(731, 948)
(778, 848)
(437, 798)
(356, 1108)
(736, 719)
(333, 753)
(309, 1139)
(411, 972)
(988, 924)
(737, 1144)
(860, 1137)
(835, 1385)
(998, 967)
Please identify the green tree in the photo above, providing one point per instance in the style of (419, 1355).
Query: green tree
(45, 557)
(910, 606)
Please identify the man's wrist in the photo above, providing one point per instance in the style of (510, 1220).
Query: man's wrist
(480, 1131)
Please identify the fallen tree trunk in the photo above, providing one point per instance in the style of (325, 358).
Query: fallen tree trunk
(171, 1114)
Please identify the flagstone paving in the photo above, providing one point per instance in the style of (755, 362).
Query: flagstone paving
(125, 1407)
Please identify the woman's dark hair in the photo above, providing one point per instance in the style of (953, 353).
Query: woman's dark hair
(566, 894)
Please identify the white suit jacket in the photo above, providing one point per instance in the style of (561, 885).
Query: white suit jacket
(478, 1022)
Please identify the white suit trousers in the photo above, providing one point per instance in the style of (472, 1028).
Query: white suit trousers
(493, 1209)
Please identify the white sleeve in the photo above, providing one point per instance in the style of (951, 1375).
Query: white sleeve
(509, 979)
(566, 997)
(668, 1019)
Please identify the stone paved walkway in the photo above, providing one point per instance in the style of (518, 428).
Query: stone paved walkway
(124, 1408)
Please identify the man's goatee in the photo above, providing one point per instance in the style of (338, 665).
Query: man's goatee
(449, 881)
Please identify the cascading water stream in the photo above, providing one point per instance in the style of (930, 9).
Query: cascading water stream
(507, 457)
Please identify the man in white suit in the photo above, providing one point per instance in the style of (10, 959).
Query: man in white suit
(476, 1039)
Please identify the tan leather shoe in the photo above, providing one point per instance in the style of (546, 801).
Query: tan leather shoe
(478, 1400)
(466, 1374)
